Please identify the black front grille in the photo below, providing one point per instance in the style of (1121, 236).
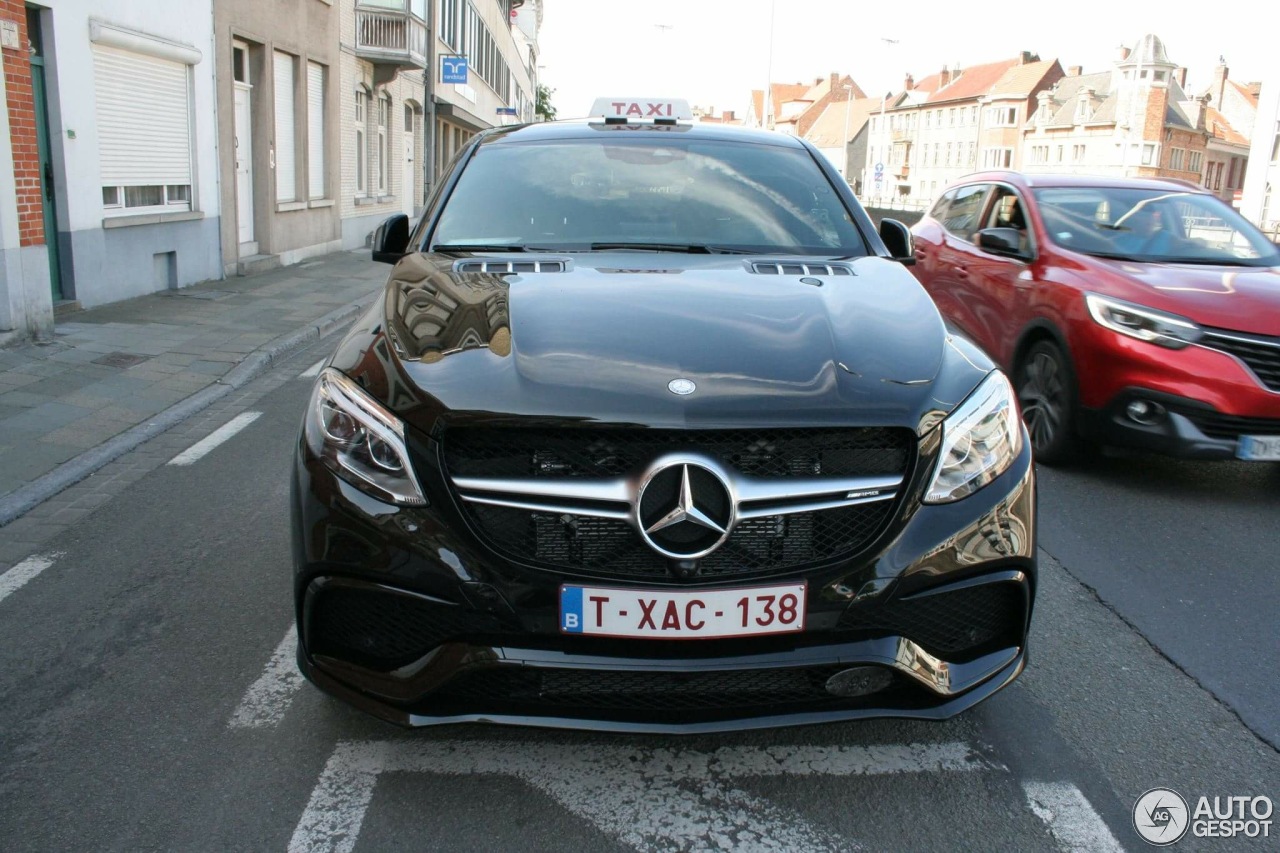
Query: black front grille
(1260, 352)
(384, 630)
(640, 691)
(952, 625)
(612, 452)
(612, 547)
(1230, 427)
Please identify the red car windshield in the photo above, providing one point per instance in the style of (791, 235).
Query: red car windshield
(1152, 226)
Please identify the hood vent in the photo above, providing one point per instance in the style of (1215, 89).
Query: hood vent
(800, 268)
(509, 267)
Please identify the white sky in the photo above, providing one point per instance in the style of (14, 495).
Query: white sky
(713, 52)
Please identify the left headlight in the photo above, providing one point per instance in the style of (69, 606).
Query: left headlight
(360, 441)
(980, 440)
(1145, 324)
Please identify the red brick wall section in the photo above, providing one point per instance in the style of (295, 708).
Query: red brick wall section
(22, 129)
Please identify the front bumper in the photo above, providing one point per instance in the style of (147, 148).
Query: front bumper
(403, 614)
(1209, 397)
(1183, 427)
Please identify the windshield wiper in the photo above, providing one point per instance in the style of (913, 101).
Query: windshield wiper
(685, 248)
(479, 247)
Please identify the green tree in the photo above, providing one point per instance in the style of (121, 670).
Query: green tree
(545, 111)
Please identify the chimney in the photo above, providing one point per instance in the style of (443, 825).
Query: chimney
(817, 81)
(1122, 53)
(1157, 104)
(727, 116)
(944, 76)
(1025, 58)
(835, 81)
(1181, 76)
(1219, 84)
(1075, 70)
(1199, 111)
(909, 83)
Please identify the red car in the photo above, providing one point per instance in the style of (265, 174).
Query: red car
(1134, 312)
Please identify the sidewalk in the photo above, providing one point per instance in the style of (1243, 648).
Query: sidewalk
(114, 376)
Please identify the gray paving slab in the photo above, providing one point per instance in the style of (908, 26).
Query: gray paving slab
(64, 414)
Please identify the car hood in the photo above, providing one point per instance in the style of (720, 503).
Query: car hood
(1243, 299)
(601, 342)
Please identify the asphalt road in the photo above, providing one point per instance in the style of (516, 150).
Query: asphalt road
(147, 702)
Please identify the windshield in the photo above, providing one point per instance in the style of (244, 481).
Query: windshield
(627, 190)
(1154, 226)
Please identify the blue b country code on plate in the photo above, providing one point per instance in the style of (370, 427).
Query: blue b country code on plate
(677, 614)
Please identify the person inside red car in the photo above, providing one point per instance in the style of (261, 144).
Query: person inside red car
(1145, 230)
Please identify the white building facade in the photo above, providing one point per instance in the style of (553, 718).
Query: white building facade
(1260, 200)
(123, 97)
(401, 124)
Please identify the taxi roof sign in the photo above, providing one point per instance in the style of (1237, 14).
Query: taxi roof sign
(642, 109)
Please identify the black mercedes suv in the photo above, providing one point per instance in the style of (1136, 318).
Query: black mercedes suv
(650, 430)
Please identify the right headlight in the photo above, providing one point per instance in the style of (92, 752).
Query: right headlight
(360, 441)
(980, 440)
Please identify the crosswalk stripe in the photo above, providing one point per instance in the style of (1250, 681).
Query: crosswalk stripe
(650, 799)
(1074, 824)
(269, 697)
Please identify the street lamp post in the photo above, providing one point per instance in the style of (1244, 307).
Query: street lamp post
(884, 125)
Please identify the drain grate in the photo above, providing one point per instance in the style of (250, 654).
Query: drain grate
(120, 359)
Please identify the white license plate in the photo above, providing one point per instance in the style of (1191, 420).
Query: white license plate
(680, 615)
(1259, 448)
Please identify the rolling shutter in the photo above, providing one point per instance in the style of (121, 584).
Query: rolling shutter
(144, 119)
(315, 130)
(286, 137)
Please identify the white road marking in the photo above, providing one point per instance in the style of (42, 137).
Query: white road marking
(201, 448)
(651, 799)
(269, 697)
(1070, 818)
(312, 371)
(17, 576)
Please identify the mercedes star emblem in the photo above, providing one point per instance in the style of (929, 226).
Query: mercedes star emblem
(683, 387)
(685, 509)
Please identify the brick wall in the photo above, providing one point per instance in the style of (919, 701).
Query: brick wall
(22, 129)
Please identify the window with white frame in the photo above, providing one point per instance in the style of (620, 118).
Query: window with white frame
(1196, 161)
(1149, 154)
(1039, 154)
(384, 160)
(1002, 116)
(1275, 145)
(450, 24)
(362, 144)
(1176, 156)
(286, 129)
(317, 163)
(144, 131)
(997, 158)
(1077, 153)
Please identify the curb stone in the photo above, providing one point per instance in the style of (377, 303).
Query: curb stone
(26, 498)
